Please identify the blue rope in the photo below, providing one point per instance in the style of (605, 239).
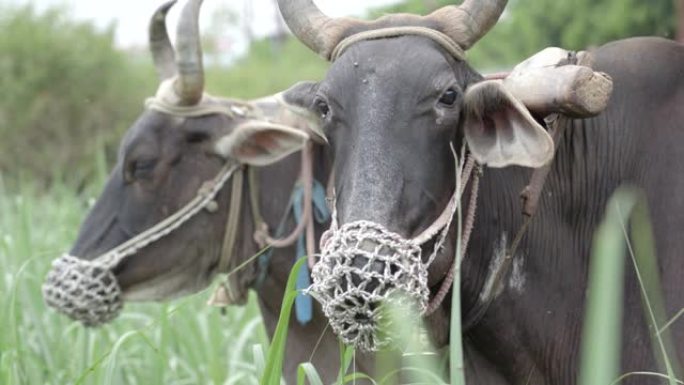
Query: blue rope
(321, 214)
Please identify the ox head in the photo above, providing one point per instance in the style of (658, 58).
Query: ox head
(396, 98)
(182, 140)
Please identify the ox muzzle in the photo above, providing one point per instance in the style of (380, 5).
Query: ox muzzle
(87, 290)
(364, 267)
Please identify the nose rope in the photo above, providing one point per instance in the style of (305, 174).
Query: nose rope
(442, 222)
(228, 292)
(444, 288)
(262, 236)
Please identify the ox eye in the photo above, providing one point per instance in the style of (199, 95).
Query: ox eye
(196, 137)
(449, 97)
(139, 169)
(322, 108)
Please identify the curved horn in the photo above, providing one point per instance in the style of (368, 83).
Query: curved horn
(190, 81)
(468, 22)
(465, 23)
(160, 45)
(311, 26)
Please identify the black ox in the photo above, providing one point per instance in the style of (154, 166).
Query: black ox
(390, 108)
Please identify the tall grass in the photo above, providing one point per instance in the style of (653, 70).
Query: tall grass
(602, 335)
(183, 342)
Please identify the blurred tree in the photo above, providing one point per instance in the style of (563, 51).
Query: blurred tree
(680, 20)
(247, 19)
(265, 70)
(66, 94)
(420, 7)
(218, 37)
(527, 26)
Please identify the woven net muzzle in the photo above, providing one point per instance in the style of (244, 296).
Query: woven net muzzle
(361, 266)
(83, 290)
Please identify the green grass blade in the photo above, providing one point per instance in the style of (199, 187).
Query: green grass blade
(112, 358)
(643, 256)
(353, 377)
(306, 371)
(410, 353)
(457, 370)
(276, 352)
(346, 357)
(600, 348)
(259, 358)
(643, 374)
(456, 367)
(672, 320)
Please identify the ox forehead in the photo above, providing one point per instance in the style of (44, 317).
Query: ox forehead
(371, 102)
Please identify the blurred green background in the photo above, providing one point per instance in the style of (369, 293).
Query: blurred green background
(67, 94)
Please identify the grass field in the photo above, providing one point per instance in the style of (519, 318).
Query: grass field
(186, 342)
(183, 342)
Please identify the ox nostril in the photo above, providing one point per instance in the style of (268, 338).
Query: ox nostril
(363, 319)
(368, 263)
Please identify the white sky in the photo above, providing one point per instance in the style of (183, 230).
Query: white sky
(131, 16)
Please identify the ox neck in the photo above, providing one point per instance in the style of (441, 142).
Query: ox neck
(499, 265)
(234, 290)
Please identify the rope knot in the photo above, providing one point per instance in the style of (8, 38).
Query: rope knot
(261, 234)
(206, 189)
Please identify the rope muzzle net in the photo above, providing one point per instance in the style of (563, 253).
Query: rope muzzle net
(364, 266)
(84, 290)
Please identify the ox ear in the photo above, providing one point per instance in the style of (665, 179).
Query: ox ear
(260, 143)
(500, 131)
(301, 94)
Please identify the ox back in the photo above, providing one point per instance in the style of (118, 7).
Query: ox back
(531, 332)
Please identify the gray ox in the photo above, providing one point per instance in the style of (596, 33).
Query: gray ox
(182, 140)
(391, 105)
